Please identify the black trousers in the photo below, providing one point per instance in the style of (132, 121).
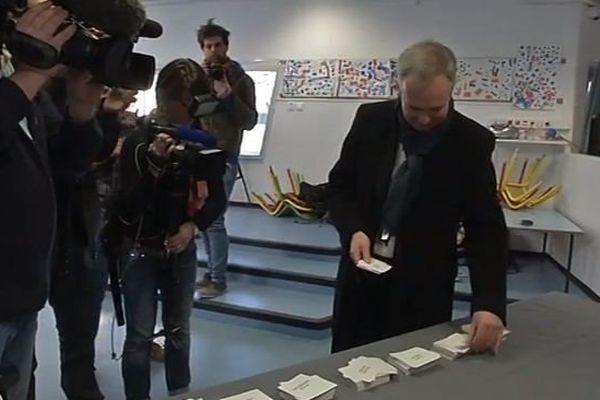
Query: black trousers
(76, 295)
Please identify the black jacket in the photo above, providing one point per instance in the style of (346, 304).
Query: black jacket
(458, 184)
(140, 194)
(27, 204)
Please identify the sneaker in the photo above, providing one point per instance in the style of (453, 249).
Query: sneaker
(205, 282)
(215, 289)
(157, 352)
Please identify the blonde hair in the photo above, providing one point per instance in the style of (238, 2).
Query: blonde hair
(426, 60)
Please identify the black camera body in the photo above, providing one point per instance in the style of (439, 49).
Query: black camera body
(111, 60)
(216, 72)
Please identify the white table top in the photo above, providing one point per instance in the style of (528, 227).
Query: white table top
(544, 220)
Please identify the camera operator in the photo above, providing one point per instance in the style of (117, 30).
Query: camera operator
(235, 89)
(159, 223)
(28, 207)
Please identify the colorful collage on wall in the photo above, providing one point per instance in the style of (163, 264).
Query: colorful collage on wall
(536, 76)
(310, 78)
(365, 79)
(484, 79)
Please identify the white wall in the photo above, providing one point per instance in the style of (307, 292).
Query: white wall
(580, 202)
(309, 141)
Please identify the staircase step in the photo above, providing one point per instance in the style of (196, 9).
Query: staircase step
(280, 264)
(290, 303)
(252, 226)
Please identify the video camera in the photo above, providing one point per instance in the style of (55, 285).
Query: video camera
(109, 56)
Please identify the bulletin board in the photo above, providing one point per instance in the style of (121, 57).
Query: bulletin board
(365, 78)
(536, 76)
(310, 78)
(484, 79)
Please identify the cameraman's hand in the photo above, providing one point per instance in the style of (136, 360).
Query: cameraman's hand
(222, 88)
(83, 95)
(42, 22)
(179, 242)
(163, 145)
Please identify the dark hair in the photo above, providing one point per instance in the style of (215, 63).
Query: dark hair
(212, 30)
(181, 78)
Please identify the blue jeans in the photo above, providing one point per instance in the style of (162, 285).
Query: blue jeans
(143, 277)
(17, 340)
(216, 240)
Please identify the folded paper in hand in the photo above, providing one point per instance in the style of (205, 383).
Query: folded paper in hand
(375, 266)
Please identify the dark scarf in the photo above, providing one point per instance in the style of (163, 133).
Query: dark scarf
(406, 181)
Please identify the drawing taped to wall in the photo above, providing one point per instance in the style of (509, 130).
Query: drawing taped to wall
(484, 80)
(365, 79)
(536, 75)
(310, 78)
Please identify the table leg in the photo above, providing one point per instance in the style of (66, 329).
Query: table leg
(569, 263)
(545, 245)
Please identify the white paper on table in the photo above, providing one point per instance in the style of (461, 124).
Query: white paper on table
(367, 369)
(375, 266)
(416, 357)
(250, 395)
(466, 328)
(304, 387)
(456, 343)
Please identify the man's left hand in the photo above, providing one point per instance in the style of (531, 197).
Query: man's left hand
(179, 242)
(486, 332)
(83, 95)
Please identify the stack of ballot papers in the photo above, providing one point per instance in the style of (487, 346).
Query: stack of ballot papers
(368, 372)
(414, 360)
(466, 328)
(250, 395)
(305, 387)
(457, 344)
(453, 347)
(376, 266)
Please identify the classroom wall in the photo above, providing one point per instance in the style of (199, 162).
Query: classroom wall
(580, 202)
(309, 140)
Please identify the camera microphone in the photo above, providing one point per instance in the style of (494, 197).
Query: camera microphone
(187, 134)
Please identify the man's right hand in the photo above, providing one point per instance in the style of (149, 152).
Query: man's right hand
(360, 247)
(163, 145)
(42, 22)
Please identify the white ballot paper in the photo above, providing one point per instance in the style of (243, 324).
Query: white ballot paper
(453, 347)
(368, 372)
(250, 395)
(375, 266)
(305, 387)
(414, 360)
(466, 328)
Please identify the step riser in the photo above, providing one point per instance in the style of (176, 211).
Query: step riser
(284, 246)
(281, 275)
(263, 315)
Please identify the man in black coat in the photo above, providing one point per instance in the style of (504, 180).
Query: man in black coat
(410, 171)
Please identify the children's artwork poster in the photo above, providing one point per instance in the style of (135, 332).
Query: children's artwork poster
(484, 79)
(365, 79)
(536, 75)
(310, 78)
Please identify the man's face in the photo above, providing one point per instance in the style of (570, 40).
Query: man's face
(425, 106)
(215, 50)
